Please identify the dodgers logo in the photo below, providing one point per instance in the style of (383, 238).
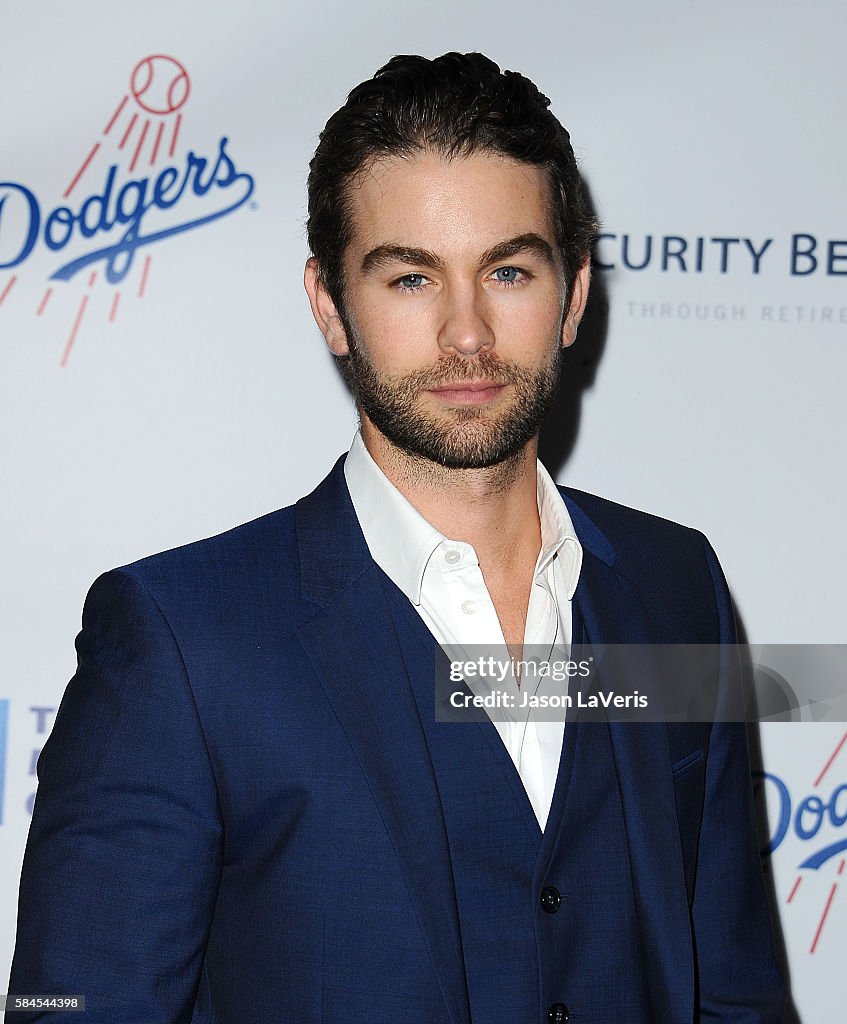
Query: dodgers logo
(133, 190)
(817, 820)
(4, 723)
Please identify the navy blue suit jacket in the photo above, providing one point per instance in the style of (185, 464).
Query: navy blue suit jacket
(238, 819)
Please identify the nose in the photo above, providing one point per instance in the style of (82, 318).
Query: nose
(465, 329)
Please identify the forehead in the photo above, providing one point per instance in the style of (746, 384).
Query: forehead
(453, 206)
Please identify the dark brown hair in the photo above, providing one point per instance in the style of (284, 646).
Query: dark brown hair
(456, 104)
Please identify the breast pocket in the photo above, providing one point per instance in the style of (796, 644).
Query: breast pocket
(686, 764)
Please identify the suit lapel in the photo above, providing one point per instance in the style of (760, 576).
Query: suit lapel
(352, 643)
(609, 610)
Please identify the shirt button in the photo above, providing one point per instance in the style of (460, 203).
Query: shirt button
(453, 556)
(550, 899)
(558, 1014)
(469, 607)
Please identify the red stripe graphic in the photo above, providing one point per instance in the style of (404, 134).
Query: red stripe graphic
(138, 147)
(823, 918)
(74, 330)
(156, 143)
(794, 890)
(177, 124)
(114, 309)
(129, 128)
(143, 284)
(835, 754)
(92, 279)
(42, 305)
(115, 116)
(82, 170)
(8, 288)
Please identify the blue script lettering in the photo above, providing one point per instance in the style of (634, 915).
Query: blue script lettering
(31, 237)
(810, 815)
(127, 207)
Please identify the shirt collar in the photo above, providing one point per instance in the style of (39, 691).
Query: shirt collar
(558, 537)
(402, 542)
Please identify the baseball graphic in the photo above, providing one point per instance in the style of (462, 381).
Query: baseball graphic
(160, 84)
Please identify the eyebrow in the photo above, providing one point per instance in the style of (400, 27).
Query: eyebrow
(384, 255)
(530, 242)
(526, 243)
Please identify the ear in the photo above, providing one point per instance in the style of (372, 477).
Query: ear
(579, 297)
(324, 310)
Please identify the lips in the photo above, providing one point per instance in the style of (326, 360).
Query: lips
(470, 392)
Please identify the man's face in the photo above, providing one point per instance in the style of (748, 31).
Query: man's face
(454, 316)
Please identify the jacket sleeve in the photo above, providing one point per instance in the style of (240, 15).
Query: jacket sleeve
(738, 978)
(124, 854)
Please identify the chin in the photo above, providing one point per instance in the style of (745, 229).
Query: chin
(471, 443)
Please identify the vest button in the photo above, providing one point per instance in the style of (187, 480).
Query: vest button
(550, 900)
(558, 1014)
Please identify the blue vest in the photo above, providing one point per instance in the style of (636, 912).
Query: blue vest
(531, 905)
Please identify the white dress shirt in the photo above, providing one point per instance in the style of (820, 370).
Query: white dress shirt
(443, 580)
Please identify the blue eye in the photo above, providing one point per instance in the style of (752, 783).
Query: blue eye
(506, 275)
(411, 281)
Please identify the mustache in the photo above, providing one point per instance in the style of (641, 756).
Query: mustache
(457, 370)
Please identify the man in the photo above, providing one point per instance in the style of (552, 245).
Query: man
(247, 810)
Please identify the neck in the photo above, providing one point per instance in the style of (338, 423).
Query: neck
(494, 509)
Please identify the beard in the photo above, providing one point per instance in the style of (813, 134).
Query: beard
(464, 437)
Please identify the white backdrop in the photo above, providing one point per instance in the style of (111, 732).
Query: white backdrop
(202, 396)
